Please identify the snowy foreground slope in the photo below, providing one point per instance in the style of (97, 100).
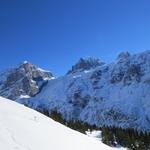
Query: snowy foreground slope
(24, 129)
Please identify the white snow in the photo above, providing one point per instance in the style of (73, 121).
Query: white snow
(25, 62)
(95, 134)
(22, 128)
(42, 70)
(24, 96)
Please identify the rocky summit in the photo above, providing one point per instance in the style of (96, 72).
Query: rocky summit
(24, 80)
(85, 64)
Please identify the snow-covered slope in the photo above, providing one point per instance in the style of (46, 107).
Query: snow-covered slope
(24, 129)
(116, 94)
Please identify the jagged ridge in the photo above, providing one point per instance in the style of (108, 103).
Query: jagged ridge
(23, 80)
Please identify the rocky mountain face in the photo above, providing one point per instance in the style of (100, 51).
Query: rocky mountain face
(115, 94)
(25, 80)
(85, 64)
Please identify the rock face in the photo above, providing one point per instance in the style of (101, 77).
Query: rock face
(24, 80)
(123, 56)
(85, 64)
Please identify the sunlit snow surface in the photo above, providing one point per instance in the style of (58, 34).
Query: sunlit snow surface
(94, 134)
(24, 129)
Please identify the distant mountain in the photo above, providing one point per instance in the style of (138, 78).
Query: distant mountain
(85, 64)
(25, 129)
(24, 80)
(115, 94)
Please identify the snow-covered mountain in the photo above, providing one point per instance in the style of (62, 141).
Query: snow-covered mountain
(115, 94)
(84, 64)
(24, 80)
(24, 129)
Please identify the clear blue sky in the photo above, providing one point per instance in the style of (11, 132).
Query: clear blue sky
(53, 34)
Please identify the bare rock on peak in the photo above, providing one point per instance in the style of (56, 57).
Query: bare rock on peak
(85, 64)
(25, 79)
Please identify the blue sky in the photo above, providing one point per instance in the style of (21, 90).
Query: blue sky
(54, 34)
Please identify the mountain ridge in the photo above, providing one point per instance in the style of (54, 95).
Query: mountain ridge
(25, 79)
(115, 94)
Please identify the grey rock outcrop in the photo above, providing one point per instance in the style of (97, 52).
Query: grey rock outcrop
(24, 80)
(85, 64)
(123, 56)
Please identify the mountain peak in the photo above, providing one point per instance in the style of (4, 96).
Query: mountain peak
(25, 62)
(25, 79)
(85, 63)
(123, 56)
